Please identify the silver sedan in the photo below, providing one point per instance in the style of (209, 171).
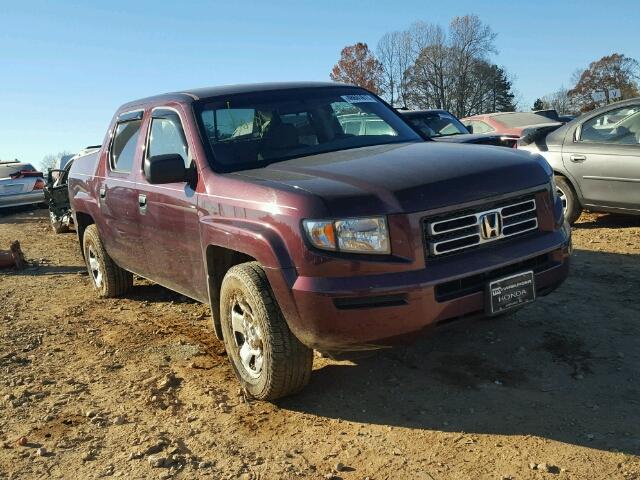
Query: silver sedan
(20, 184)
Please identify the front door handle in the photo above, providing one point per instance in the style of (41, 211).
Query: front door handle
(577, 158)
(142, 203)
(103, 193)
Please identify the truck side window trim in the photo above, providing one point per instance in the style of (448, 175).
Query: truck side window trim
(132, 115)
(157, 113)
(125, 117)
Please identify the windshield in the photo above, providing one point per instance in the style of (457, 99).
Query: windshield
(9, 169)
(437, 124)
(246, 131)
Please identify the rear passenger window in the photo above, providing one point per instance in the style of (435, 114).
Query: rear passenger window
(123, 149)
(167, 136)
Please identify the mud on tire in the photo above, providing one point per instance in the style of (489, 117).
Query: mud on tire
(267, 358)
(108, 279)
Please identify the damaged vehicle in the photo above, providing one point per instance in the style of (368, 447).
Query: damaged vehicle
(20, 184)
(302, 233)
(443, 126)
(56, 192)
(596, 159)
(516, 124)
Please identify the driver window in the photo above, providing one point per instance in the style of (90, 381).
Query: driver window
(620, 126)
(167, 136)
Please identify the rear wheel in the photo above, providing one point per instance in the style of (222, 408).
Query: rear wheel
(108, 279)
(267, 358)
(570, 204)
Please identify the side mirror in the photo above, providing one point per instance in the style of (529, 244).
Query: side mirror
(165, 169)
(470, 128)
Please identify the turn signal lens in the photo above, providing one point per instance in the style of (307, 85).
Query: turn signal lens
(354, 235)
(39, 185)
(320, 233)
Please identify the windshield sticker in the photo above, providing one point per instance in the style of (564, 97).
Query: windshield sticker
(358, 98)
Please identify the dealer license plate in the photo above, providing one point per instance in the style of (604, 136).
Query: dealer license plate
(510, 292)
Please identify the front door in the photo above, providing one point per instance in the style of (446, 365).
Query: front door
(604, 157)
(169, 215)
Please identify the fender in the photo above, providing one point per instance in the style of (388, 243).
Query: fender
(258, 241)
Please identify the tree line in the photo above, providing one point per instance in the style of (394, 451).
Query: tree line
(429, 66)
(594, 85)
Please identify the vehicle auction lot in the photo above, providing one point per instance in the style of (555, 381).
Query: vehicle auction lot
(138, 387)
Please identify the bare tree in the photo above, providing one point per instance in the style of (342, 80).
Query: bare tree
(50, 160)
(395, 54)
(560, 101)
(451, 68)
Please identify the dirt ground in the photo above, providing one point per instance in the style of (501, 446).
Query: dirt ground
(139, 387)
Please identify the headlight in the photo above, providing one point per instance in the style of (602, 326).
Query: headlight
(354, 235)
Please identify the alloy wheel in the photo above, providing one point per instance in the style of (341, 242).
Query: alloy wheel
(247, 337)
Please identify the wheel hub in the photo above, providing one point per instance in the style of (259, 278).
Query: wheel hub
(247, 336)
(94, 267)
(563, 199)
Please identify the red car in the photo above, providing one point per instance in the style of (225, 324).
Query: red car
(304, 230)
(507, 123)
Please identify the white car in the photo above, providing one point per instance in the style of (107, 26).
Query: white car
(20, 184)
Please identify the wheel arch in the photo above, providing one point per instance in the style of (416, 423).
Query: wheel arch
(82, 220)
(229, 243)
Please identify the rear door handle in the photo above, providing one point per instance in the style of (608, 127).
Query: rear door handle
(142, 203)
(577, 158)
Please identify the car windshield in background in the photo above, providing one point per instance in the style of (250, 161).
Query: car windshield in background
(437, 124)
(9, 169)
(522, 119)
(252, 130)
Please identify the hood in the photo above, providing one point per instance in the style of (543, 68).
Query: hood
(404, 178)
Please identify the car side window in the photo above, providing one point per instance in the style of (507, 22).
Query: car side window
(123, 148)
(166, 136)
(620, 126)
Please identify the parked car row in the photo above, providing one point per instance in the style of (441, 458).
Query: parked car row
(314, 216)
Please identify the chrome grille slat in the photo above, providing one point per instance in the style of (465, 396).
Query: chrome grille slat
(515, 218)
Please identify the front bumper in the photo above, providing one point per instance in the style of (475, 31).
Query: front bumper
(36, 196)
(373, 311)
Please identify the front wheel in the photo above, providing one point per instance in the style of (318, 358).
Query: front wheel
(107, 277)
(267, 358)
(570, 203)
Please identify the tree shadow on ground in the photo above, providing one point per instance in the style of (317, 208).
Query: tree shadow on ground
(564, 368)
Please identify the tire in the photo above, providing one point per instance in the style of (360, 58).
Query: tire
(276, 363)
(108, 279)
(572, 208)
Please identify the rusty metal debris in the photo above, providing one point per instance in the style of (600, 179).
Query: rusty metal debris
(13, 257)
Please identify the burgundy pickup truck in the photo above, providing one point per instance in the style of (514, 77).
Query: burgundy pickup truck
(304, 232)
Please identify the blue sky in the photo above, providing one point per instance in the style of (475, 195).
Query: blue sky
(67, 65)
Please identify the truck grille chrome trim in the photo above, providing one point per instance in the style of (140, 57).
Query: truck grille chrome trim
(463, 230)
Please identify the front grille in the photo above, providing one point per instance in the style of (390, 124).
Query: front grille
(476, 283)
(461, 230)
